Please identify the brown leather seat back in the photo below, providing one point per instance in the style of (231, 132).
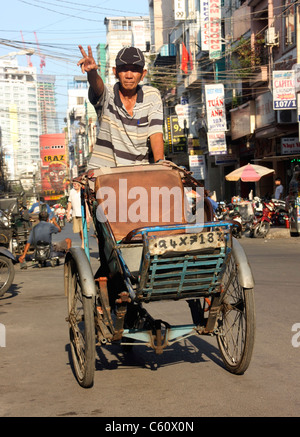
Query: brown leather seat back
(140, 196)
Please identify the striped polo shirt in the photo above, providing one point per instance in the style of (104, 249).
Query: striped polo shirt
(123, 139)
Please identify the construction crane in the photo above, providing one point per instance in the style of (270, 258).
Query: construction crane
(43, 62)
(28, 56)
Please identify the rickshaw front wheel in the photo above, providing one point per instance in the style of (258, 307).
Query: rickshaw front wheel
(236, 324)
(81, 324)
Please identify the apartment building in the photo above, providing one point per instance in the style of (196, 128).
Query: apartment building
(81, 124)
(122, 32)
(19, 117)
(47, 103)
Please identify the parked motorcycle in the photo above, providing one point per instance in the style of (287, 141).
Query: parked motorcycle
(262, 224)
(15, 226)
(228, 212)
(7, 270)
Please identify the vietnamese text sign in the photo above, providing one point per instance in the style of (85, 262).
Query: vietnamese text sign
(197, 166)
(284, 95)
(215, 45)
(204, 13)
(290, 146)
(216, 143)
(215, 107)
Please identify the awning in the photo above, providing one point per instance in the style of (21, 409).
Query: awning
(276, 158)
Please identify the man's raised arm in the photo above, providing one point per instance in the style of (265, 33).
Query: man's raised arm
(89, 66)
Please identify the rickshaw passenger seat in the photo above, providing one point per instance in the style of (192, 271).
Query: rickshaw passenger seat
(140, 185)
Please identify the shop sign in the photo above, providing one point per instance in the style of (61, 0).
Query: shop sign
(290, 146)
(284, 94)
(204, 19)
(215, 45)
(215, 108)
(179, 10)
(225, 159)
(216, 143)
(183, 112)
(197, 166)
(177, 138)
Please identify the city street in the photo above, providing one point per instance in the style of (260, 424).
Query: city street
(187, 380)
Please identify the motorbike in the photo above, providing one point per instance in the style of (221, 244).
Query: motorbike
(7, 270)
(262, 223)
(280, 215)
(229, 213)
(15, 226)
(61, 219)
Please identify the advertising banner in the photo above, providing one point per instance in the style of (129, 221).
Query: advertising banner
(215, 107)
(284, 94)
(54, 169)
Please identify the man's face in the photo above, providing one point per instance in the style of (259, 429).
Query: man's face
(129, 76)
(76, 186)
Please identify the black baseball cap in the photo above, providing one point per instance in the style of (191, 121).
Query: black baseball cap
(130, 56)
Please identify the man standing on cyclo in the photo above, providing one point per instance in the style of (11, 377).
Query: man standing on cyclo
(129, 114)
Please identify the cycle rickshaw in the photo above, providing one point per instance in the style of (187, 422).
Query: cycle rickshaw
(150, 252)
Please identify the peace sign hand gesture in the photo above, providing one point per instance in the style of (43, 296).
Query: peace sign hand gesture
(87, 63)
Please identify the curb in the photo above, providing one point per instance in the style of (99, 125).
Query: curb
(278, 233)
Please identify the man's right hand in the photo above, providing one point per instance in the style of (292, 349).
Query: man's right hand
(87, 63)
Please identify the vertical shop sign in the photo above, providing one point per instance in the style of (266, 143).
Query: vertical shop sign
(215, 107)
(215, 45)
(176, 135)
(179, 10)
(284, 95)
(197, 166)
(204, 20)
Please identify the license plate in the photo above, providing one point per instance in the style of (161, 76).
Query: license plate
(186, 242)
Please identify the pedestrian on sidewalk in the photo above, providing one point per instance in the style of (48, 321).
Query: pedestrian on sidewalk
(278, 195)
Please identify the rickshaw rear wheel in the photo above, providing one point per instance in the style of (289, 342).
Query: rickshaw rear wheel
(81, 321)
(7, 274)
(236, 323)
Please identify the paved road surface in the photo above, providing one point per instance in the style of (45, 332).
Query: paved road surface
(188, 380)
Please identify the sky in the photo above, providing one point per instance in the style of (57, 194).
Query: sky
(59, 26)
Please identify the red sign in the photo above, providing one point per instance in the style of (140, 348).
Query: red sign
(54, 168)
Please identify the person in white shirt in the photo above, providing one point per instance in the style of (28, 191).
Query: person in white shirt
(74, 203)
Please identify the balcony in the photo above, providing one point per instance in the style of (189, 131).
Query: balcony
(260, 76)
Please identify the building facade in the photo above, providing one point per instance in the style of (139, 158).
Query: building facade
(122, 32)
(19, 118)
(233, 49)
